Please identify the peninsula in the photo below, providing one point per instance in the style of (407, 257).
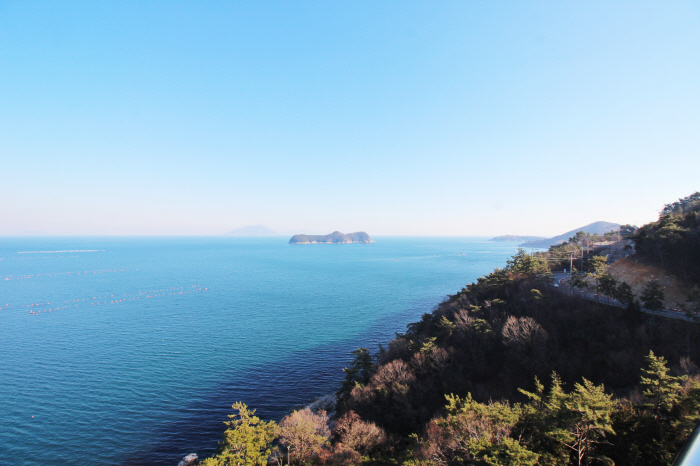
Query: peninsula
(334, 238)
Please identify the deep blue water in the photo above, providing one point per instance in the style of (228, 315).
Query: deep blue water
(132, 350)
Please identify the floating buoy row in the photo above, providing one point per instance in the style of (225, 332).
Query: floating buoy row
(47, 310)
(97, 300)
(165, 289)
(56, 274)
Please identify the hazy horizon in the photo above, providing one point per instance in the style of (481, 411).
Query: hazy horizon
(394, 118)
(287, 233)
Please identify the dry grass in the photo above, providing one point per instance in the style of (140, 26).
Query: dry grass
(637, 274)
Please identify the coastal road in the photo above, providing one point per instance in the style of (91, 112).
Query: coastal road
(560, 283)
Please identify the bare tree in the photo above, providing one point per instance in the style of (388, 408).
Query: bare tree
(359, 435)
(522, 332)
(396, 372)
(305, 433)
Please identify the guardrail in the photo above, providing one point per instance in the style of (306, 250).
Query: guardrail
(690, 453)
(673, 314)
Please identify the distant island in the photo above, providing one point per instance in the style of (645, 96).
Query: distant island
(517, 238)
(334, 238)
(252, 230)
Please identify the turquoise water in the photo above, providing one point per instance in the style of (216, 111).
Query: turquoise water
(119, 351)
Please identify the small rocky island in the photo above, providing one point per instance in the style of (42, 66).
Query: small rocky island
(334, 238)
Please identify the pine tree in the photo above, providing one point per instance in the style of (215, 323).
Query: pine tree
(653, 296)
(607, 285)
(599, 266)
(577, 420)
(590, 418)
(663, 390)
(624, 294)
(358, 372)
(247, 440)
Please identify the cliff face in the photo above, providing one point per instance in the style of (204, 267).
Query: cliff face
(334, 238)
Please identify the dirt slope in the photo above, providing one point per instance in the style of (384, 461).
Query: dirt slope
(637, 274)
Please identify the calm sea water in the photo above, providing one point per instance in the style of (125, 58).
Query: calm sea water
(129, 351)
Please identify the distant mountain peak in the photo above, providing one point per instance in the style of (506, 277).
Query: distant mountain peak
(252, 230)
(592, 228)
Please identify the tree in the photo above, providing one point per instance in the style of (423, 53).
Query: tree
(607, 285)
(304, 432)
(590, 417)
(475, 433)
(579, 237)
(693, 304)
(624, 294)
(359, 435)
(577, 420)
(653, 296)
(246, 441)
(662, 389)
(358, 372)
(627, 230)
(578, 280)
(599, 267)
(526, 264)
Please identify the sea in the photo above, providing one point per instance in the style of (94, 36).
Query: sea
(131, 350)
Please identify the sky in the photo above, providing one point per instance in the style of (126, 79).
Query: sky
(391, 117)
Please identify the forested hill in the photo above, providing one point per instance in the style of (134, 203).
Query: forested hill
(513, 370)
(504, 371)
(508, 371)
(673, 242)
(334, 238)
(598, 228)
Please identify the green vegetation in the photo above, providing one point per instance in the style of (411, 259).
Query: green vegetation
(673, 242)
(653, 296)
(246, 441)
(462, 385)
(594, 229)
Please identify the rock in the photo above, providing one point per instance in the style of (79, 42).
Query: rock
(189, 460)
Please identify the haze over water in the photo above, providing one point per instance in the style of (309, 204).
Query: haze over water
(131, 350)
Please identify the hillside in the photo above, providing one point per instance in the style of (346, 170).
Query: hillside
(673, 242)
(503, 373)
(509, 332)
(516, 370)
(592, 228)
(334, 238)
(633, 271)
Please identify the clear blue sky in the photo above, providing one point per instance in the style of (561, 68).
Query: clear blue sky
(420, 118)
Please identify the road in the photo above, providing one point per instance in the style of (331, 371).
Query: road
(561, 283)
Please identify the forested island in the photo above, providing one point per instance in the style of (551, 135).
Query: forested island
(517, 369)
(334, 238)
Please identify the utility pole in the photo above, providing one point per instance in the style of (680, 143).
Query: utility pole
(571, 274)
